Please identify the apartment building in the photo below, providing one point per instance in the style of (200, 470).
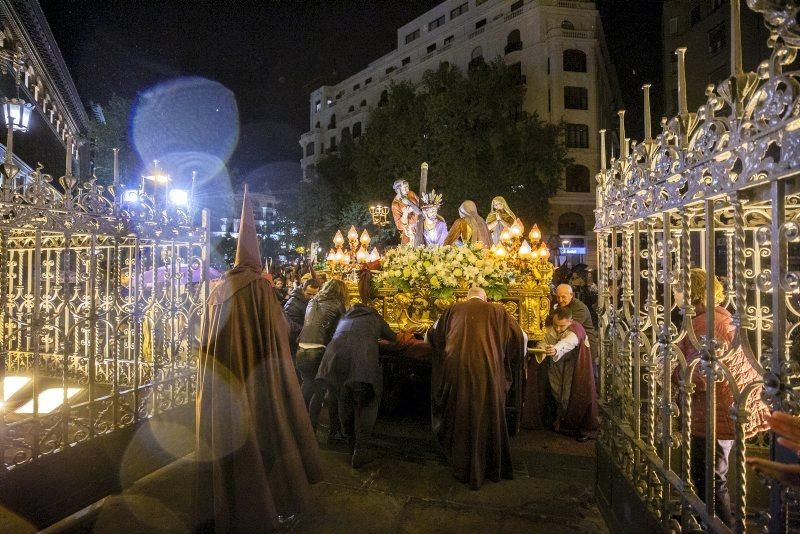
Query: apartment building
(559, 50)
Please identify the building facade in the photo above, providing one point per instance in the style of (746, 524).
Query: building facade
(704, 28)
(559, 49)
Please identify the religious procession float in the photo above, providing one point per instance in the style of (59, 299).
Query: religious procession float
(433, 267)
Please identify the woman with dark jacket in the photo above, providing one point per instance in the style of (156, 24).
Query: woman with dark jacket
(351, 370)
(322, 316)
(295, 309)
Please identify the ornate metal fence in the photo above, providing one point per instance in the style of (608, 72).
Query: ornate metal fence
(716, 189)
(99, 304)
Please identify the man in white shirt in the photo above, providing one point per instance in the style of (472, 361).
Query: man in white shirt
(573, 387)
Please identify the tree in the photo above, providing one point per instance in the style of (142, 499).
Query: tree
(109, 131)
(473, 133)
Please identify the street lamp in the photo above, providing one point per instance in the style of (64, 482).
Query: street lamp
(16, 116)
(379, 215)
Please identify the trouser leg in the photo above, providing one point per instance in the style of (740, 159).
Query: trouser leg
(365, 411)
(346, 414)
(722, 502)
(308, 361)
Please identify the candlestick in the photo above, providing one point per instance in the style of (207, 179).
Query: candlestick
(683, 107)
(603, 149)
(622, 150)
(647, 125)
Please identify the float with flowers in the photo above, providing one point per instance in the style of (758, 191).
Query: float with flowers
(412, 284)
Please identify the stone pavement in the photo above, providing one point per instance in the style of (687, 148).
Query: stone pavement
(409, 489)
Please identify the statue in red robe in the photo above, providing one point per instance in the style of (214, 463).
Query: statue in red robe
(405, 210)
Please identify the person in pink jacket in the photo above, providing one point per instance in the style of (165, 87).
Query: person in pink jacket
(743, 373)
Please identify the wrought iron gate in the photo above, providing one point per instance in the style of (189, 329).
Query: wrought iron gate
(717, 190)
(100, 301)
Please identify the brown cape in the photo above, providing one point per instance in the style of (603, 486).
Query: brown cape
(255, 444)
(474, 343)
(582, 408)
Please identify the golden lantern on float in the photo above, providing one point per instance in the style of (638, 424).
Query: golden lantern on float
(365, 239)
(362, 255)
(374, 255)
(524, 249)
(536, 234)
(338, 239)
(517, 228)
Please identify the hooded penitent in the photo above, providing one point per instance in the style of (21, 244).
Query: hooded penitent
(256, 450)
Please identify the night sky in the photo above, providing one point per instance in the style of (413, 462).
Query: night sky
(272, 54)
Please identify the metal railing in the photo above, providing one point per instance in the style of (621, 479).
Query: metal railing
(100, 307)
(715, 190)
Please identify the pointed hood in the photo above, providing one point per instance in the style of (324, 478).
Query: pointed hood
(248, 251)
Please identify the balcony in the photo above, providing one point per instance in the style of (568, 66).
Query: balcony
(513, 47)
(477, 32)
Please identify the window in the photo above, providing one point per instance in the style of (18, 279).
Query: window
(448, 40)
(567, 25)
(513, 42)
(716, 38)
(476, 58)
(332, 122)
(390, 70)
(460, 10)
(516, 5)
(363, 103)
(316, 125)
(406, 61)
(340, 94)
(384, 98)
(318, 106)
(368, 80)
(310, 149)
(356, 130)
(431, 47)
(346, 134)
(333, 144)
(576, 98)
(574, 61)
(571, 223)
(351, 109)
(436, 23)
(694, 16)
(329, 102)
(548, 65)
(578, 179)
(577, 136)
(356, 87)
(480, 24)
(479, 2)
(672, 26)
(411, 36)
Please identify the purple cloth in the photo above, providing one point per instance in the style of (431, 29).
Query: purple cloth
(161, 276)
(438, 235)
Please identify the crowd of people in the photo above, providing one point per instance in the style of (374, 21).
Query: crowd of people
(273, 357)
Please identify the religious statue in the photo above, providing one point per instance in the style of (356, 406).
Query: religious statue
(434, 229)
(405, 209)
(499, 217)
(470, 228)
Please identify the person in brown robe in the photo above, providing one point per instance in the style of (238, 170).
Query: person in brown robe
(474, 344)
(256, 450)
(470, 228)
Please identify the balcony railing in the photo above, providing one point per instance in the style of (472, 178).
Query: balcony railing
(513, 47)
(477, 32)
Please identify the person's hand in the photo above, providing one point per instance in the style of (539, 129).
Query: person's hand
(788, 426)
(786, 474)
(550, 350)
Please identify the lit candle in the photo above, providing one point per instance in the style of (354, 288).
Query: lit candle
(361, 255)
(536, 234)
(544, 252)
(331, 255)
(524, 248)
(338, 257)
(338, 239)
(365, 239)
(505, 235)
(500, 251)
(352, 234)
(517, 228)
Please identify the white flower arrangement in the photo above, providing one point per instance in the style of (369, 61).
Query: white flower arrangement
(443, 269)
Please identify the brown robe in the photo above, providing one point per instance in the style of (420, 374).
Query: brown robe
(582, 409)
(474, 344)
(397, 213)
(255, 445)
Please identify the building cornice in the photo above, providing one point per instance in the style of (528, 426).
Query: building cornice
(28, 45)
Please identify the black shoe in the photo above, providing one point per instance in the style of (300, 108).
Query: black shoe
(362, 457)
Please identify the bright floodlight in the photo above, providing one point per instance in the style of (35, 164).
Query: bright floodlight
(130, 195)
(49, 400)
(12, 384)
(179, 197)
